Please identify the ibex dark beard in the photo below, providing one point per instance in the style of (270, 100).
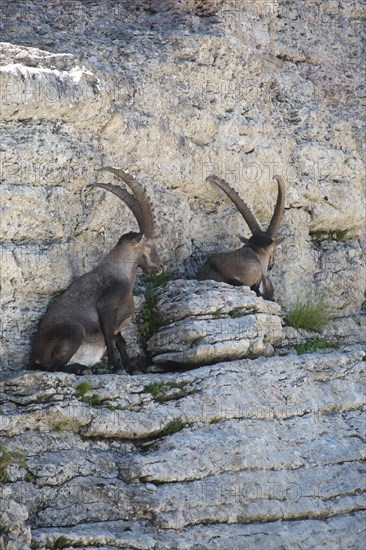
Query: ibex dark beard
(87, 318)
(249, 264)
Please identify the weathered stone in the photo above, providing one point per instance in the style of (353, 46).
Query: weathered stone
(173, 93)
(327, 533)
(206, 322)
(14, 533)
(180, 299)
(268, 452)
(344, 330)
(252, 442)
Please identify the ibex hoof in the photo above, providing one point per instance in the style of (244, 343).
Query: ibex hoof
(87, 371)
(119, 371)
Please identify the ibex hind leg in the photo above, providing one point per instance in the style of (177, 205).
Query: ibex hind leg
(75, 368)
(234, 282)
(54, 346)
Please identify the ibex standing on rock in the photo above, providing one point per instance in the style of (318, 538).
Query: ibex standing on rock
(249, 264)
(88, 317)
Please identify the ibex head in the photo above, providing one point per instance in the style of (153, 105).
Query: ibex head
(149, 259)
(143, 243)
(263, 243)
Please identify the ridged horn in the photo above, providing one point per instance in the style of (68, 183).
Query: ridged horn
(147, 219)
(243, 208)
(127, 198)
(276, 220)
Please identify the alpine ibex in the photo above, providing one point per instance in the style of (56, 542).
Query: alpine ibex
(88, 317)
(249, 264)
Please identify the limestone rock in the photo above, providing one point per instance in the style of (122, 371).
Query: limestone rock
(255, 453)
(204, 322)
(14, 533)
(174, 91)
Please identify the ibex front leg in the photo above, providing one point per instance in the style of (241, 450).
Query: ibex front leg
(121, 345)
(266, 288)
(107, 318)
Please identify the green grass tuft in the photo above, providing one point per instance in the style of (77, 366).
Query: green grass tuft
(4, 476)
(6, 459)
(59, 543)
(237, 312)
(159, 390)
(335, 235)
(94, 400)
(59, 427)
(314, 344)
(311, 315)
(217, 314)
(83, 388)
(150, 319)
(158, 280)
(174, 426)
(154, 388)
(215, 420)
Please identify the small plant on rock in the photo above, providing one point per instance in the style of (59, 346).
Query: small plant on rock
(160, 391)
(94, 400)
(59, 427)
(314, 344)
(174, 426)
(6, 459)
(238, 312)
(59, 543)
(334, 235)
(83, 388)
(150, 318)
(155, 388)
(309, 314)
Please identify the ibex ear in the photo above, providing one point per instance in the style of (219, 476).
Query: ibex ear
(279, 240)
(244, 240)
(138, 238)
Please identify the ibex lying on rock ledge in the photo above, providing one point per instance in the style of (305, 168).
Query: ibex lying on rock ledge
(87, 318)
(247, 265)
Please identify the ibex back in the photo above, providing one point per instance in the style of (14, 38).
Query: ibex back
(249, 264)
(87, 318)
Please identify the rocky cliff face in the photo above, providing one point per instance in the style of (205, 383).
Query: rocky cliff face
(173, 92)
(208, 459)
(251, 453)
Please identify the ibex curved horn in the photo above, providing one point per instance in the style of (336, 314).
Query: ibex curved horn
(248, 265)
(243, 208)
(276, 220)
(147, 219)
(86, 320)
(128, 199)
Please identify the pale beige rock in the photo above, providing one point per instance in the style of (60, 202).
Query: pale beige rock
(225, 89)
(204, 322)
(14, 533)
(173, 92)
(254, 442)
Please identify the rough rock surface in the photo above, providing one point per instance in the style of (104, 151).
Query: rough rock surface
(204, 322)
(174, 91)
(256, 453)
(15, 534)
